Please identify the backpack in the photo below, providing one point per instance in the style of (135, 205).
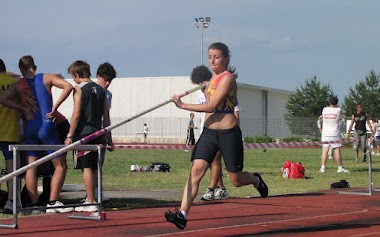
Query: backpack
(341, 184)
(160, 167)
(293, 170)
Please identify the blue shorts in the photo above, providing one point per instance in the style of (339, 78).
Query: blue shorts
(36, 134)
(229, 142)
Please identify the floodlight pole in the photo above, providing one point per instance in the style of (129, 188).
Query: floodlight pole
(202, 22)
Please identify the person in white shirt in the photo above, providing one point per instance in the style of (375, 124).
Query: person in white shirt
(376, 137)
(145, 132)
(331, 134)
(330, 154)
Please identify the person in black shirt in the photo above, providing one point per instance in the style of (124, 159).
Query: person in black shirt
(190, 139)
(90, 107)
(360, 132)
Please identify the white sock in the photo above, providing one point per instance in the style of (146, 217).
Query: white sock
(184, 214)
(340, 167)
(323, 167)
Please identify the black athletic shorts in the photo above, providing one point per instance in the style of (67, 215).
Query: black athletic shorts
(87, 159)
(229, 142)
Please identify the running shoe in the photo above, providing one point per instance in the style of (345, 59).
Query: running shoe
(176, 218)
(342, 170)
(262, 188)
(87, 208)
(58, 207)
(209, 195)
(220, 193)
(105, 199)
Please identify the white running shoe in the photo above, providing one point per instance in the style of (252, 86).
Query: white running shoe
(59, 208)
(220, 193)
(88, 208)
(105, 199)
(209, 195)
(322, 170)
(342, 170)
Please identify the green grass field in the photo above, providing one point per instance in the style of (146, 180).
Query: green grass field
(117, 174)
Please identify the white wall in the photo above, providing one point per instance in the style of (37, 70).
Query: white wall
(132, 96)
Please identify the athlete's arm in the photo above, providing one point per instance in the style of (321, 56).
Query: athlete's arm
(7, 99)
(370, 125)
(237, 114)
(75, 115)
(106, 123)
(225, 85)
(350, 127)
(319, 123)
(59, 83)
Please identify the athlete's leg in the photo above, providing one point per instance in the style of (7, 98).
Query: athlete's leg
(58, 178)
(216, 172)
(31, 180)
(198, 170)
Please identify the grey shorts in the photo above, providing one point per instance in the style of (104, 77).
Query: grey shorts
(359, 139)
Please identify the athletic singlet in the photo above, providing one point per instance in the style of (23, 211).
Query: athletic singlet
(360, 121)
(9, 129)
(229, 103)
(92, 109)
(38, 130)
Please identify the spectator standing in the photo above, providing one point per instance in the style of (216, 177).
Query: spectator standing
(376, 136)
(190, 138)
(105, 74)
(38, 109)
(90, 113)
(331, 134)
(9, 132)
(145, 132)
(360, 119)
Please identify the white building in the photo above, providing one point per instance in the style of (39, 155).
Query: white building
(262, 109)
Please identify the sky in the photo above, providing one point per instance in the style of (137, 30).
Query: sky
(273, 43)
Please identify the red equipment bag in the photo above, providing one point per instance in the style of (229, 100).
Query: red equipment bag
(293, 170)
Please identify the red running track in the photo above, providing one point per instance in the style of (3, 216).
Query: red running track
(327, 213)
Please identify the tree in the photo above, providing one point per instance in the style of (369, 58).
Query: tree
(305, 106)
(366, 92)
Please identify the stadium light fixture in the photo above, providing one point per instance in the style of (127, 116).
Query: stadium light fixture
(202, 22)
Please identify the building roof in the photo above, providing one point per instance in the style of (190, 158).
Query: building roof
(263, 88)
